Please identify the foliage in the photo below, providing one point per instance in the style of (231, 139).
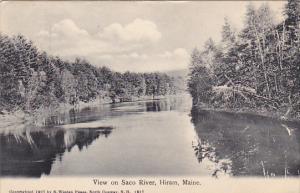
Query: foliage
(259, 67)
(31, 79)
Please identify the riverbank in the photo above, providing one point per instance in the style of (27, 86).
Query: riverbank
(15, 120)
(279, 115)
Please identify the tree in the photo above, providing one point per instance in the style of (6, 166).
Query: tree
(258, 67)
(200, 81)
(31, 79)
(292, 11)
(292, 48)
(69, 87)
(10, 97)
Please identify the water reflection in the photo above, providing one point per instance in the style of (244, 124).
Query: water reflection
(152, 138)
(107, 111)
(32, 152)
(247, 145)
(153, 106)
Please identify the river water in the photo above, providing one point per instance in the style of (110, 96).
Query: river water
(164, 137)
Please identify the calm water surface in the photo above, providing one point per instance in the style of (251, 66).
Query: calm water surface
(159, 137)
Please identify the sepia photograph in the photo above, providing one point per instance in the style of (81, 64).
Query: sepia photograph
(130, 89)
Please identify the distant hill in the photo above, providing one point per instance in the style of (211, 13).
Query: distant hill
(178, 73)
(180, 78)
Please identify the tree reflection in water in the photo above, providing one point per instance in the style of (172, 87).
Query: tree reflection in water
(203, 151)
(32, 153)
(246, 144)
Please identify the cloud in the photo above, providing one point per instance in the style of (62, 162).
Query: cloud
(43, 33)
(177, 53)
(166, 54)
(136, 31)
(66, 38)
(121, 47)
(64, 29)
(134, 55)
(135, 61)
(181, 52)
(68, 28)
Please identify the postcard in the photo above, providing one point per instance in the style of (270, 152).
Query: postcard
(149, 96)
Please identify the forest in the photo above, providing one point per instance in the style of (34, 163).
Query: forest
(256, 68)
(31, 79)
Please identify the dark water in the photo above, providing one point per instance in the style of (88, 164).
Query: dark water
(247, 145)
(160, 137)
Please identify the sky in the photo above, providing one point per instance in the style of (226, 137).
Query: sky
(135, 36)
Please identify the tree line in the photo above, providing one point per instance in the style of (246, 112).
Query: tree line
(32, 79)
(257, 67)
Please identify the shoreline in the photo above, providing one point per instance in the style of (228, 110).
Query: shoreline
(263, 113)
(39, 116)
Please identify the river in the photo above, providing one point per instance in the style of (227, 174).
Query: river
(165, 137)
